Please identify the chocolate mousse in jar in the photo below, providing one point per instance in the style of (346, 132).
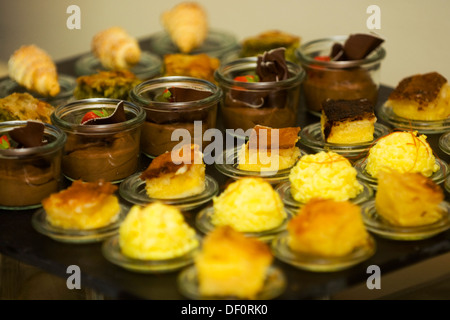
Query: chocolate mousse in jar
(178, 110)
(263, 90)
(341, 67)
(30, 163)
(103, 138)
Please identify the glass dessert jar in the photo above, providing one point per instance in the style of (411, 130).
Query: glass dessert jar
(28, 175)
(246, 104)
(194, 111)
(349, 80)
(105, 151)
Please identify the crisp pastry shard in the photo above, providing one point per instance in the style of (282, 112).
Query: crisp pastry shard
(200, 66)
(34, 69)
(269, 149)
(231, 264)
(23, 106)
(408, 199)
(116, 49)
(168, 177)
(421, 97)
(187, 25)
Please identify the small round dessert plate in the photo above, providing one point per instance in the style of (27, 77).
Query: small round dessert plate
(203, 222)
(444, 142)
(40, 224)
(284, 190)
(422, 126)
(112, 252)
(17, 208)
(281, 250)
(438, 177)
(274, 285)
(216, 44)
(378, 225)
(311, 137)
(148, 67)
(230, 168)
(133, 190)
(67, 84)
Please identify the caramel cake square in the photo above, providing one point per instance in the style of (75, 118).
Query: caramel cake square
(282, 152)
(347, 121)
(200, 66)
(421, 97)
(167, 178)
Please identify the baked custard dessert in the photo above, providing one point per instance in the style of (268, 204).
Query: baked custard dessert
(327, 228)
(106, 84)
(347, 121)
(248, 205)
(83, 206)
(269, 149)
(232, 265)
(402, 151)
(176, 174)
(421, 97)
(156, 232)
(200, 66)
(116, 49)
(23, 106)
(187, 25)
(408, 199)
(33, 68)
(325, 175)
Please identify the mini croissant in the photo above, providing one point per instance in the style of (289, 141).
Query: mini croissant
(34, 69)
(187, 25)
(116, 49)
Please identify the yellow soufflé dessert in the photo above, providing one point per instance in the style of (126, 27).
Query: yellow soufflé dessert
(326, 175)
(327, 228)
(408, 199)
(231, 264)
(402, 151)
(156, 232)
(248, 205)
(83, 206)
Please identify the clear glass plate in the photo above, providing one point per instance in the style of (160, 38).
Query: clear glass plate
(284, 190)
(112, 252)
(229, 167)
(426, 127)
(311, 137)
(447, 184)
(40, 224)
(282, 251)
(133, 190)
(378, 225)
(216, 44)
(67, 84)
(438, 177)
(203, 222)
(188, 285)
(444, 142)
(150, 66)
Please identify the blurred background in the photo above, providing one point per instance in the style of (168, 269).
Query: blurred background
(414, 30)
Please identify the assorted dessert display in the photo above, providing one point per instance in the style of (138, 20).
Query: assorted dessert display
(200, 65)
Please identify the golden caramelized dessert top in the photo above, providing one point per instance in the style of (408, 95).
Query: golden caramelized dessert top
(23, 106)
(200, 66)
(287, 138)
(420, 88)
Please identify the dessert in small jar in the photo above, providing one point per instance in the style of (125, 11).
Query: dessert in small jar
(172, 103)
(341, 67)
(103, 138)
(263, 90)
(30, 163)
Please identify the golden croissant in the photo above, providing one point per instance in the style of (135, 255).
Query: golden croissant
(116, 49)
(34, 69)
(187, 25)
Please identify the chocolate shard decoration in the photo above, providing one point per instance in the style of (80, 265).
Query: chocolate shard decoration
(271, 65)
(357, 46)
(32, 135)
(117, 116)
(179, 94)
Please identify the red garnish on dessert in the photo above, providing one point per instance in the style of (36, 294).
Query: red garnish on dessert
(247, 78)
(322, 58)
(93, 115)
(4, 142)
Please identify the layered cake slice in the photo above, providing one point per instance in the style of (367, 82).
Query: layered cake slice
(421, 97)
(347, 121)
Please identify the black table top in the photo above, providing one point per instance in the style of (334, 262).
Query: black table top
(19, 240)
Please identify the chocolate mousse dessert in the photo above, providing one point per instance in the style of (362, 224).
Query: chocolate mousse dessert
(29, 165)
